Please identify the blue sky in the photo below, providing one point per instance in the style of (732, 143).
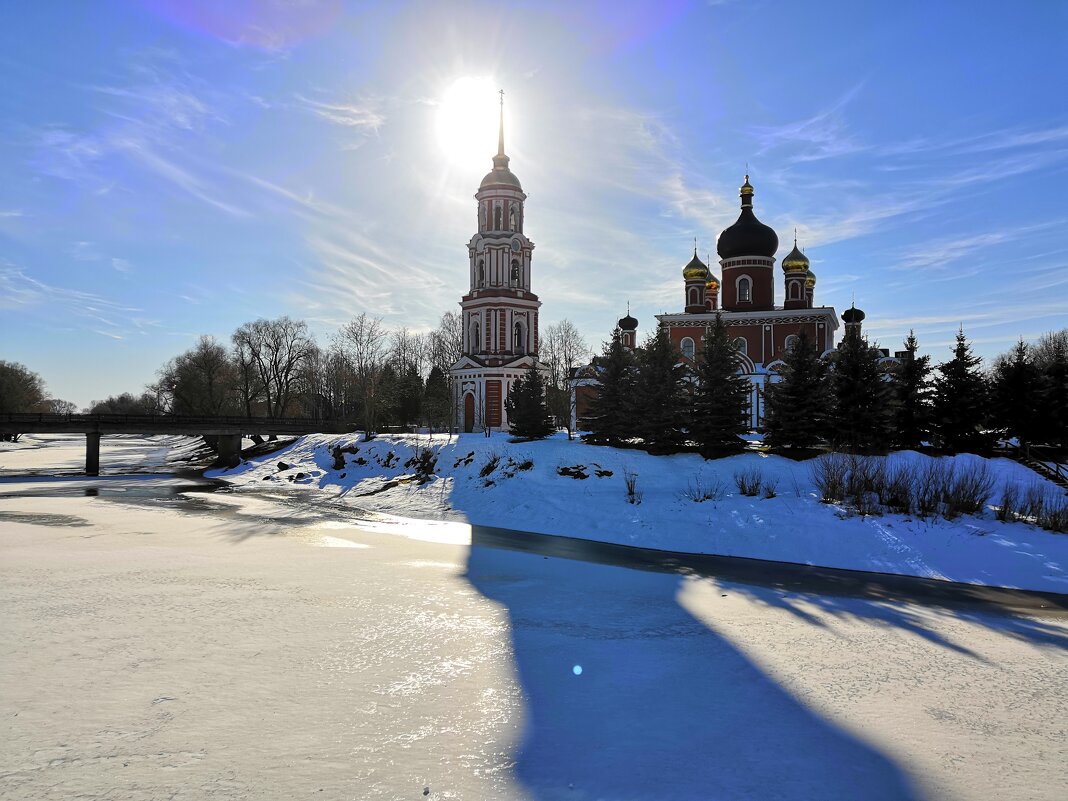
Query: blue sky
(179, 167)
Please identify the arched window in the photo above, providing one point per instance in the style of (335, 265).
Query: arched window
(744, 290)
(791, 341)
(693, 301)
(497, 217)
(476, 340)
(481, 216)
(517, 339)
(741, 345)
(481, 272)
(687, 347)
(515, 272)
(513, 218)
(795, 290)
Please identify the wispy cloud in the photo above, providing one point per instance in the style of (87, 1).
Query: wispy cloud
(942, 252)
(364, 115)
(821, 136)
(11, 213)
(19, 291)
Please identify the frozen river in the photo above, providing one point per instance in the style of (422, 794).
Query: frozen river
(157, 643)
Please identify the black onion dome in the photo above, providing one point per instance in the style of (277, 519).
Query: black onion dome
(748, 236)
(627, 323)
(852, 315)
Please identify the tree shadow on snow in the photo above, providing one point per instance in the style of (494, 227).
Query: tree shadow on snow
(631, 697)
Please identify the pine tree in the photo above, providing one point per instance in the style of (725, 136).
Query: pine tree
(659, 400)
(862, 410)
(1015, 395)
(436, 398)
(719, 414)
(609, 420)
(528, 416)
(1053, 406)
(797, 408)
(961, 401)
(912, 390)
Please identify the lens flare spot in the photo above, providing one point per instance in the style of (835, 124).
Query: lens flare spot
(577, 670)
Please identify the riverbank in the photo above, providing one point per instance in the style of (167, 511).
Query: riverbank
(684, 503)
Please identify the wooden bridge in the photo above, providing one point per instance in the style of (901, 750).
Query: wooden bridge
(225, 432)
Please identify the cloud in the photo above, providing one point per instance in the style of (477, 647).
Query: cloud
(19, 291)
(364, 115)
(939, 253)
(11, 213)
(821, 136)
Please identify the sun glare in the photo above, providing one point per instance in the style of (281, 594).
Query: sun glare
(467, 120)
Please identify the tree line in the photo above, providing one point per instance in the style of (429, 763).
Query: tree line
(366, 373)
(852, 400)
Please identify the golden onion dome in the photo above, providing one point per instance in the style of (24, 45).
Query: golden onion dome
(712, 284)
(795, 261)
(810, 279)
(696, 269)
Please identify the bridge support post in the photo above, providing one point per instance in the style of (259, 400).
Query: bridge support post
(229, 449)
(92, 454)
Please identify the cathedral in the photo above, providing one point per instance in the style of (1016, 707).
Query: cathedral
(744, 297)
(499, 311)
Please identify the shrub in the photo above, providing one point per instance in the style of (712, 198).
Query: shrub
(748, 481)
(769, 488)
(1054, 515)
(630, 478)
(1009, 507)
(1034, 503)
(699, 491)
(899, 491)
(424, 460)
(968, 489)
(829, 474)
(490, 465)
(930, 486)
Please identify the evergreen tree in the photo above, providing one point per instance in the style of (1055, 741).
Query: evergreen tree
(659, 398)
(1053, 405)
(797, 408)
(719, 414)
(609, 421)
(961, 401)
(436, 403)
(912, 390)
(528, 416)
(1016, 395)
(862, 410)
(408, 394)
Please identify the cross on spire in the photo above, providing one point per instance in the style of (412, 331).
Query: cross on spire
(500, 136)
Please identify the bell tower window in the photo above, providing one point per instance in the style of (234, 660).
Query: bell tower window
(745, 290)
(481, 273)
(515, 272)
(476, 342)
(517, 339)
(497, 217)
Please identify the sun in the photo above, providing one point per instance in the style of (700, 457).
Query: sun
(467, 120)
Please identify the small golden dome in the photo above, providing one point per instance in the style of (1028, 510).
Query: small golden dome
(695, 270)
(810, 279)
(712, 284)
(795, 261)
(747, 188)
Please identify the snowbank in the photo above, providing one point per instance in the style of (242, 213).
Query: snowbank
(525, 490)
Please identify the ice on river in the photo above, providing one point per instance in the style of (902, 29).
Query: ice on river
(223, 646)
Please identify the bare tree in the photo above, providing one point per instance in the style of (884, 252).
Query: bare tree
(200, 381)
(363, 340)
(21, 389)
(277, 349)
(562, 350)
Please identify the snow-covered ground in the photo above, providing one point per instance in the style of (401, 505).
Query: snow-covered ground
(240, 646)
(526, 491)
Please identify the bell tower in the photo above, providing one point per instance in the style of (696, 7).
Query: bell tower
(500, 312)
